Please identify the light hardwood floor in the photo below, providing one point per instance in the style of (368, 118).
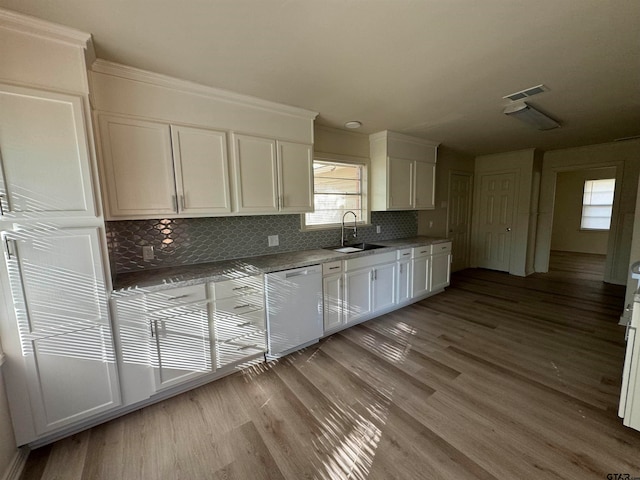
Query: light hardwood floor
(499, 377)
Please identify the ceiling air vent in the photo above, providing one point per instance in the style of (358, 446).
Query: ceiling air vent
(529, 92)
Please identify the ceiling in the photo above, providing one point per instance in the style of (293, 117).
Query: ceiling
(436, 69)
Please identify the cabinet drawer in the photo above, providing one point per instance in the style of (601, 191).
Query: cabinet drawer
(233, 351)
(238, 286)
(175, 296)
(422, 251)
(330, 268)
(405, 253)
(227, 328)
(440, 248)
(230, 307)
(369, 261)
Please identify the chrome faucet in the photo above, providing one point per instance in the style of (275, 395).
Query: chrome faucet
(355, 226)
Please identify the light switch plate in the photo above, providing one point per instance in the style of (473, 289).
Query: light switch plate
(274, 241)
(378, 230)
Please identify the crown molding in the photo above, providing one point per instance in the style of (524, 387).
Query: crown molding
(402, 137)
(41, 28)
(131, 73)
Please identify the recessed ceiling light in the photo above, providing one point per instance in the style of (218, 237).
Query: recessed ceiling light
(353, 124)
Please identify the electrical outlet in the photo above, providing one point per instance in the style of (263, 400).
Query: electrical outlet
(430, 223)
(147, 253)
(378, 229)
(274, 241)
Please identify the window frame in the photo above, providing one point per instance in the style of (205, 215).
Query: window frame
(583, 205)
(366, 210)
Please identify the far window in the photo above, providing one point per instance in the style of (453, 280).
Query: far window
(597, 204)
(338, 188)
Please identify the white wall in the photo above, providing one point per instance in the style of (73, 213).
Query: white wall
(625, 156)
(340, 142)
(449, 161)
(7, 440)
(567, 214)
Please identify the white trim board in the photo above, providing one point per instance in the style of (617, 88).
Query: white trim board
(16, 466)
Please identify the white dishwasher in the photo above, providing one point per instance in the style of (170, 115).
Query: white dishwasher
(294, 309)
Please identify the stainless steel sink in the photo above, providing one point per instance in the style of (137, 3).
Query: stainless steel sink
(358, 247)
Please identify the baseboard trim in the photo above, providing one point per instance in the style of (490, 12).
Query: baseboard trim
(15, 467)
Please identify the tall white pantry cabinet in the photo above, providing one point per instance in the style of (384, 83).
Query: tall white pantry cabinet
(56, 334)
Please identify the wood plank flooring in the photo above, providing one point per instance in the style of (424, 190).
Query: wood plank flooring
(499, 377)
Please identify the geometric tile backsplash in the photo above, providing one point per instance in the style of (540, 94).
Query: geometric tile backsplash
(186, 241)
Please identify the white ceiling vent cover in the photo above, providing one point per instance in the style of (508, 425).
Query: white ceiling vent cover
(529, 92)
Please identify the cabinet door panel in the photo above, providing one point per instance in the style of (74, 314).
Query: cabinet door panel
(44, 154)
(420, 267)
(425, 174)
(384, 286)
(404, 280)
(184, 347)
(202, 173)
(400, 184)
(58, 290)
(138, 167)
(295, 170)
(256, 174)
(358, 294)
(333, 301)
(74, 377)
(440, 271)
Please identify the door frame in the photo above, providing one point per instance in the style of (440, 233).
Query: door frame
(469, 261)
(475, 218)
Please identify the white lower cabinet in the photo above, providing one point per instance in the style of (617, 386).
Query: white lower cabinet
(370, 285)
(333, 296)
(67, 354)
(174, 336)
(180, 339)
(404, 276)
(440, 271)
(358, 294)
(420, 267)
(238, 324)
(384, 286)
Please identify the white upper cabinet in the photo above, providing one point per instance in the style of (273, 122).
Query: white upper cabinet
(272, 176)
(201, 168)
(153, 169)
(137, 167)
(256, 172)
(400, 183)
(424, 185)
(402, 172)
(295, 175)
(45, 163)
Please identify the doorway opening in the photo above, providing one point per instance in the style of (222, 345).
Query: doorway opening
(581, 220)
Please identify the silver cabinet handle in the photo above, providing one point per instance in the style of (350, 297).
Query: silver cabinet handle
(11, 252)
(174, 200)
(151, 326)
(171, 299)
(246, 347)
(400, 268)
(333, 268)
(246, 305)
(241, 288)
(2, 196)
(182, 202)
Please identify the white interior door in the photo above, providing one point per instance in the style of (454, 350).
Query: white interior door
(459, 219)
(497, 198)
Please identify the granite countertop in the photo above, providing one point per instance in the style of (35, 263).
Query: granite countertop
(184, 275)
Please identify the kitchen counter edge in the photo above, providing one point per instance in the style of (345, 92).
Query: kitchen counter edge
(144, 281)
